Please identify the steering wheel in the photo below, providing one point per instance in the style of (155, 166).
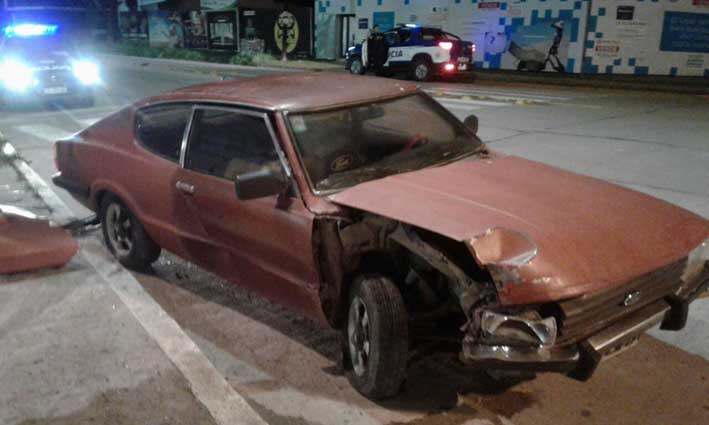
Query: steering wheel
(415, 141)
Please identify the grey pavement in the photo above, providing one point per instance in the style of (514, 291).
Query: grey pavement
(285, 367)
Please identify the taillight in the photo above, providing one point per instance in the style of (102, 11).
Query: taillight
(449, 67)
(473, 47)
(445, 45)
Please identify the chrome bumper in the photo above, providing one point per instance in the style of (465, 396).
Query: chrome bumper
(581, 360)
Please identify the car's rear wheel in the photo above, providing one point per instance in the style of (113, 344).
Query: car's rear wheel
(376, 337)
(422, 70)
(125, 236)
(356, 66)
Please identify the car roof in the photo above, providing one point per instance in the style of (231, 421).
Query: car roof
(309, 91)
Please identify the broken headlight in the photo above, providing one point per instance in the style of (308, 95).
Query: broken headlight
(527, 330)
(696, 262)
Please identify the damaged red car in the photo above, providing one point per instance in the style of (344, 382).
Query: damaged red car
(365, 205)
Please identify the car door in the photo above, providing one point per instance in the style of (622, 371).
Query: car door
(262, 244)
(400, 46)
(160, 130)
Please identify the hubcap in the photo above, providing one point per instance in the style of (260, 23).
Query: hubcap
(119, 228)
(421, 71)
(356, 67)
(358, 336)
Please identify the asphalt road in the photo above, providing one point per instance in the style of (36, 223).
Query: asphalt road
(287, 368)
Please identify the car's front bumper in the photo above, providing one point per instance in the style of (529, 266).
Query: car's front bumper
(579, 360)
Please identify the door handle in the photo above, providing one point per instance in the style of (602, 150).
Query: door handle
(185, 187)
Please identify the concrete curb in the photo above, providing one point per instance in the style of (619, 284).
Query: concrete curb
(196, 65)
(61, 214)
(210, 388)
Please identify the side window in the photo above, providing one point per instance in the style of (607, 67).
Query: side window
(225, 144)
(391, 37)
(404, 36)
(161, 128)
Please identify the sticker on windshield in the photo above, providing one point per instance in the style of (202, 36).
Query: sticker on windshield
(298, 123)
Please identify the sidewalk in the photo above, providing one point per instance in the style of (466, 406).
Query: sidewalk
(78, 345)
(687, 85)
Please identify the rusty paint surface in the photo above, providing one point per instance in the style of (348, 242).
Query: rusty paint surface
(590, 235)
(292, 92)
(28, 244)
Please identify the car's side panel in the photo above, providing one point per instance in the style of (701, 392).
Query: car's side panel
(264, 245)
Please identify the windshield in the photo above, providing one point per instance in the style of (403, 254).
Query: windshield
(34, 46)
(345, 147)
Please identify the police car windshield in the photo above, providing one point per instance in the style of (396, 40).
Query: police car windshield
(36, 45)
(348, 146)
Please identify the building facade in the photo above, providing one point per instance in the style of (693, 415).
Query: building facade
(657, 37)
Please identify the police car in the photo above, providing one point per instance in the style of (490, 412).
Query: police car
(421, 52)
(39, 63)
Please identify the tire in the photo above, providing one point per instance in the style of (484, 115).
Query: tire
(375, 337)
(356, 66)
(125, 236)
(422, 70)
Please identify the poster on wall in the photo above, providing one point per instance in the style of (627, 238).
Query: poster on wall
(194, 23)
(133, 26)
(685, 32)
(539, 46)
(222, 30)
(165, 29)
(286, 32)
(218, 4)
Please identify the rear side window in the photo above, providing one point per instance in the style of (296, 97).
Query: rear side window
(226, 143)
(432, 34)
(161, 128)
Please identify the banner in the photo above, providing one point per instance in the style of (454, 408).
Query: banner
(165, 29)
(222, 30)
(133, 26)
(194, 23)
(218, 4)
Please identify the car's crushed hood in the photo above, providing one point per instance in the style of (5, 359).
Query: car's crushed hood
(569, 234)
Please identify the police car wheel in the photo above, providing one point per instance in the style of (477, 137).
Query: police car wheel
(421, 70)
(356, 66)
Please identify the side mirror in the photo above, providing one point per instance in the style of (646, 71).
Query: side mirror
(260, 184)
(471, 122)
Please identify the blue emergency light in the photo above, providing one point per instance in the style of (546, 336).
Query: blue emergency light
(29, 30)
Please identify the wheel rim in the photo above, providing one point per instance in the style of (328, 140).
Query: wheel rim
(358, 336)
(356, 67)
(421, 71)
(119, 227)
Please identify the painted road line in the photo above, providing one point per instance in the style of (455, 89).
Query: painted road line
(209, 387)
(45, 132)
(471, 102)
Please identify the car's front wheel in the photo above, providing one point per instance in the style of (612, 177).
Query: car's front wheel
(356, 66)
(125, 237)
(376, 337)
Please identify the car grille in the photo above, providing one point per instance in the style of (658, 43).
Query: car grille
(54, 78)
(581, 317)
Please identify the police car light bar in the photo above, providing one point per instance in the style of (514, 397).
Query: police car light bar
(29, 30)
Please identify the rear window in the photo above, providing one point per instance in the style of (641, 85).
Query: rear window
(161, 128)
(432, 34)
